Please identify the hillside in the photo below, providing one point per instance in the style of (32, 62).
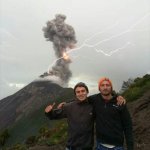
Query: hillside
(23, 112)
(137, 88)
(140, 112)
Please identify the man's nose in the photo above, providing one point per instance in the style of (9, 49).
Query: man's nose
(105, 87)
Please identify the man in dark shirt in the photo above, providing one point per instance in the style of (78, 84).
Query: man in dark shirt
(113, 122)
(79, 114)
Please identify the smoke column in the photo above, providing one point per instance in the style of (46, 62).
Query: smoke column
(63, 38)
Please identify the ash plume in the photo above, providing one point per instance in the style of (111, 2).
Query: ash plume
(63, 38)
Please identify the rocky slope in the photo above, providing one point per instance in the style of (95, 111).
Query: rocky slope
(140, 112)
(29, 99)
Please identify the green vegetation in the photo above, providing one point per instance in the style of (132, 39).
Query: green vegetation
(17, 146)
(45, 136)
(59, 134)
(4, 135)
(52, 136)
(137, 88)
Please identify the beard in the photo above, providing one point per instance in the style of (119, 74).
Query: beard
(106, 92)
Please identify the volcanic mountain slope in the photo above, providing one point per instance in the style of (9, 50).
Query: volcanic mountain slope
(29, 99)
(23, 112)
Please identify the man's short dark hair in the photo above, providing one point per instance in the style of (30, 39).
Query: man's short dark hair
(81, 84)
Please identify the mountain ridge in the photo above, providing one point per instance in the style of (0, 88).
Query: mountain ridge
(23, 112)
(29, 99)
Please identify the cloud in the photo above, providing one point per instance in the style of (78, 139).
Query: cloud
(89, 80)
(52, 78)
(16, 85)
(148, 72)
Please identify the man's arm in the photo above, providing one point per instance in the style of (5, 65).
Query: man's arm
(127, 126)
(54, 113)
(120, 99)
(92, 98)
(60, 105)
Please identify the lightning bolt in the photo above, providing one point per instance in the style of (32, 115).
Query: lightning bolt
(85, 44)
(113, 51)
(124, 32)
(108, 28)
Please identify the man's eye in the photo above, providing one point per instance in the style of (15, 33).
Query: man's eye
(80, 91)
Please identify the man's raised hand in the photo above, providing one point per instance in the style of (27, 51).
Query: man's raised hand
(121, 100)
(49, 108)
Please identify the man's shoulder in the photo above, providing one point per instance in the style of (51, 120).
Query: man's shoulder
(94, 95)
(70, 103)
(93, 98)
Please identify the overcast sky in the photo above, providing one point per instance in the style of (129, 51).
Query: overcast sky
(113, 40)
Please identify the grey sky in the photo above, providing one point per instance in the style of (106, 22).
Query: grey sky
(120, 48)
